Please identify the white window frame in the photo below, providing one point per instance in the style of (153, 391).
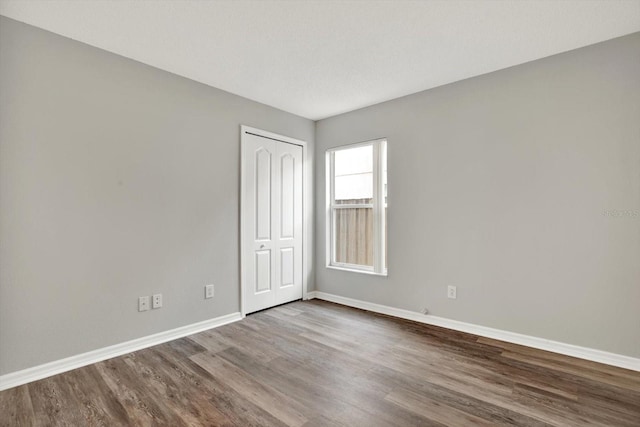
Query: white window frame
(378, 205)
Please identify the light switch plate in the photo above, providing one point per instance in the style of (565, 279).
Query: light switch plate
(143, 303)
(208, 291)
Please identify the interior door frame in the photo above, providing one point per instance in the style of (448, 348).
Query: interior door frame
(307, 208)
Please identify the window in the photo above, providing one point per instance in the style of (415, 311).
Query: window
(357, 207)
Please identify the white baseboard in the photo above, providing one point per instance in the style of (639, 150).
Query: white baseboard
(498, 334)
(39, 372)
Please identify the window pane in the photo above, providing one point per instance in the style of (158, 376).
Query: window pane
(384, 171)
(353, 236)
(358, 180)
(384, 195)
(353, 175)
(386, 234)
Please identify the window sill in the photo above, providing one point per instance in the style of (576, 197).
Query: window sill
(356, 270)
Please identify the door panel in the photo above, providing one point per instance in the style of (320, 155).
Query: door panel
(286, 267)
(263, 194)
(289, 240)
(287, 192)
(263, 272)
(272, 222)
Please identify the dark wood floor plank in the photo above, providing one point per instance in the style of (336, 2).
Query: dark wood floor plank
(98, 404)
(434, 410)
(608, 412)
(357, 388)
(604, 373)
(556, 410)
(322, 421)
(316, 363)
(281, 374)
(135, 389)
(54, 404)
(184, 347)
(568, 366)
(499, 415)
(242, 335)
(278, 404)
(206, 393)
(211, 340)
(179, 392)
(16, 408)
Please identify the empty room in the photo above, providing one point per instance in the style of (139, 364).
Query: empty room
(319, 213)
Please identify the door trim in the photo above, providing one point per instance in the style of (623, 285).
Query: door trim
(307, 207)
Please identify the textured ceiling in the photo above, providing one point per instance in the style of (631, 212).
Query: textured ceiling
(321, 58)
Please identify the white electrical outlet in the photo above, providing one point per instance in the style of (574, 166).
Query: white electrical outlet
(157, 301)
(208, 291)
(143, 303)
(452, 292)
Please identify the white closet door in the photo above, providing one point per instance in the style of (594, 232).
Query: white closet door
(272, 216)
(288, 215)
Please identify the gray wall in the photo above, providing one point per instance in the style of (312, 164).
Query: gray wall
(117, 180)
(522, 188)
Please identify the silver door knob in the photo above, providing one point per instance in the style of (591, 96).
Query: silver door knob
(261, 246)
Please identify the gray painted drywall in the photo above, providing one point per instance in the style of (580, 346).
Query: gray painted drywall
(117, 180)
(522, 188)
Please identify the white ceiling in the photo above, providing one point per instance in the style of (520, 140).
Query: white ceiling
(321, 58)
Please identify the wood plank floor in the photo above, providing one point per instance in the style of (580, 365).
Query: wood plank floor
(316, 363)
